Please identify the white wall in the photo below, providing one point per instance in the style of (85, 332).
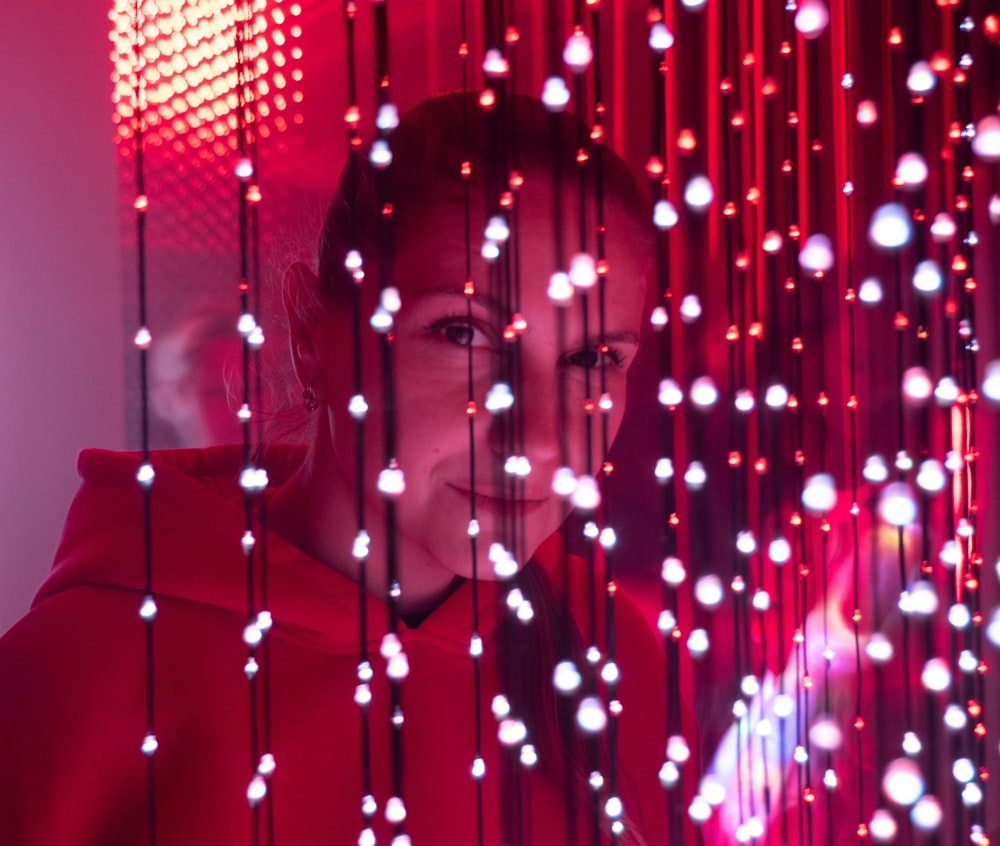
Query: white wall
(61, 314)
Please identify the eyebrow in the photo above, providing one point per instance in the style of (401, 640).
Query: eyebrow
(493, 304)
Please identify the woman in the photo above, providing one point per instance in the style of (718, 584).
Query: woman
(73, 709)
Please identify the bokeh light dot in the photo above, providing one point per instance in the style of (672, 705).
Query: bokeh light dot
(776, 396)
(698, 642)
(986, 143)
(963, 770)
(816, 255)
(927, 277)
(812, 18)
(819, 493)
(870, 291)
(972, 794)
(991, 380)
(690, 308)
(779, 550)
(709, 591)
(825, 733)
(704, 393)
(993, 627)
(911, 170)
(890, 226)
(943, 228)
(695, 476)
(931, 477)
(698, 193)
(954, 717)
(879, 648)
(920, 79)
(896, 504)
(959, 615)
(902, 781)
(867, 113)
(936, 676)
(882, 826)
(664, 215)
(875, 469)
(926, 813)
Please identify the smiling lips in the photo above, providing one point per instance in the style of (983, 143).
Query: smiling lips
(496, 503)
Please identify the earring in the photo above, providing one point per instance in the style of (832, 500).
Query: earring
(310, 399)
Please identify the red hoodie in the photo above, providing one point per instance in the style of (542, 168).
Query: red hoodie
(73, 702)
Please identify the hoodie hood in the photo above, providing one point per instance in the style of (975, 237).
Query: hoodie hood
(197, 521)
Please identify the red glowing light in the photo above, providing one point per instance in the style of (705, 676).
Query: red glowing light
(991, 27)
(686, 141)
(940, 62)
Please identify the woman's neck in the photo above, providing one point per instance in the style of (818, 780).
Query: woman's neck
(316, 511)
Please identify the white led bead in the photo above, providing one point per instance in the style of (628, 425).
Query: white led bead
(587, 494)
(387, 117)
(591, 716)
(148, 608)
(256, 790)
(664, 215)
(698, 193)
(819, 493)
(670, 394)
(672, 571)
(890, 227)
(816, 255)
(811, 18)
(555, 94)
(499, 397)
(578, 52)
(380, 154)
(583, 271)
(149, 745)
(395, 810)
(511, 732)
(391, 482)
(920, 79)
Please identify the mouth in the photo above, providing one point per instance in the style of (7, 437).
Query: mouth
(501, 504)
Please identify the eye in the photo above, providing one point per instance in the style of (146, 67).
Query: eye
(458, 330)
(459, 333)
(594, 357)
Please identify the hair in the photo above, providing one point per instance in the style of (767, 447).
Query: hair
(429, 146)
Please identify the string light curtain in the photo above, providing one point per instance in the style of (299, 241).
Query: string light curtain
(810, 516)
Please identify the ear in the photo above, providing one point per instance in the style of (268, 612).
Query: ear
(306, 312)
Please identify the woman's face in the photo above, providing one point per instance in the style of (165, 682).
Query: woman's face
(433, 340)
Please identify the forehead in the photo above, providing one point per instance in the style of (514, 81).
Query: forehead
(431, 247)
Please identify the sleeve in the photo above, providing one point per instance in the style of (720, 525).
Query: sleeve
(67, 705)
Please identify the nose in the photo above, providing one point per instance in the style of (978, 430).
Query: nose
(532, 427)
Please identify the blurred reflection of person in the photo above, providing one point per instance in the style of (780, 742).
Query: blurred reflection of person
(194, 371)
